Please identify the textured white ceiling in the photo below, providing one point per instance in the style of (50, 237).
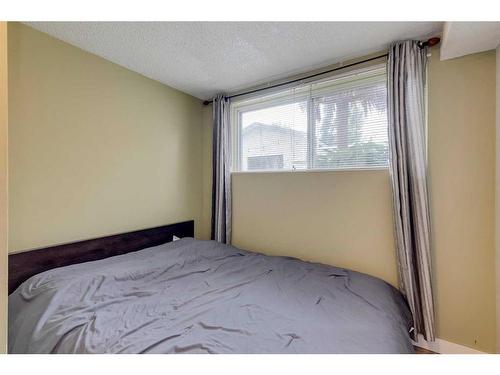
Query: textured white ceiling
(203, 58)
(464, 38)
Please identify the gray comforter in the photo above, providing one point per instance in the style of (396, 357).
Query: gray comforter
(193, 296)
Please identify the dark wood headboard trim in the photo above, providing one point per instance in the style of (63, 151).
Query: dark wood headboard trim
(23, 265)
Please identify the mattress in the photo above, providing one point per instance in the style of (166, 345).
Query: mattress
(193, 296)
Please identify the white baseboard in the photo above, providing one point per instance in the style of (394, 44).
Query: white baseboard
(444, 347)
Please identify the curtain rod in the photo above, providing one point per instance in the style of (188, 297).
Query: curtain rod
(429, 43)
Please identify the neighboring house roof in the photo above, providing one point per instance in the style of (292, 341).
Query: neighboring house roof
(259, 126)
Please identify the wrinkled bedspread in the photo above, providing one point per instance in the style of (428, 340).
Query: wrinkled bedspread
(193, 296)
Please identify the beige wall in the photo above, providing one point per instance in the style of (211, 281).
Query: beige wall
(497, 199)
(207, 173)
(340, 218)
(462, 173)
(345, 218)
(3, 186)
(95, 148)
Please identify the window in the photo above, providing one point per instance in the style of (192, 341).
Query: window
(340, 123)
(265, 162)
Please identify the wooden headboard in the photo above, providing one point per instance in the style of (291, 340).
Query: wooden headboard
(23, 265)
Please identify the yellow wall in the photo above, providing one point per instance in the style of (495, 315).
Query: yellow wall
(462, 183)
(345, 218)
(3, 186)
(94, 149)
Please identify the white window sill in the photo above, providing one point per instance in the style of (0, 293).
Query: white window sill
(313, 170)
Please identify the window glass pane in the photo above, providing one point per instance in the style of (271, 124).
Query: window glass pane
(350, 127)
(274, 138)
(339, 123)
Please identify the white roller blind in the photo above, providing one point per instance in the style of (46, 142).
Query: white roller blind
(336, 124)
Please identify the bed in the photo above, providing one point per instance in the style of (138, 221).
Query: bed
(149, 294)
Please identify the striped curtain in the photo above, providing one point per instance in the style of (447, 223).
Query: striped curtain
(408, 167)
(221, 178)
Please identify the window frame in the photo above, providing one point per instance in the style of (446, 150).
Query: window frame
(310, 93)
